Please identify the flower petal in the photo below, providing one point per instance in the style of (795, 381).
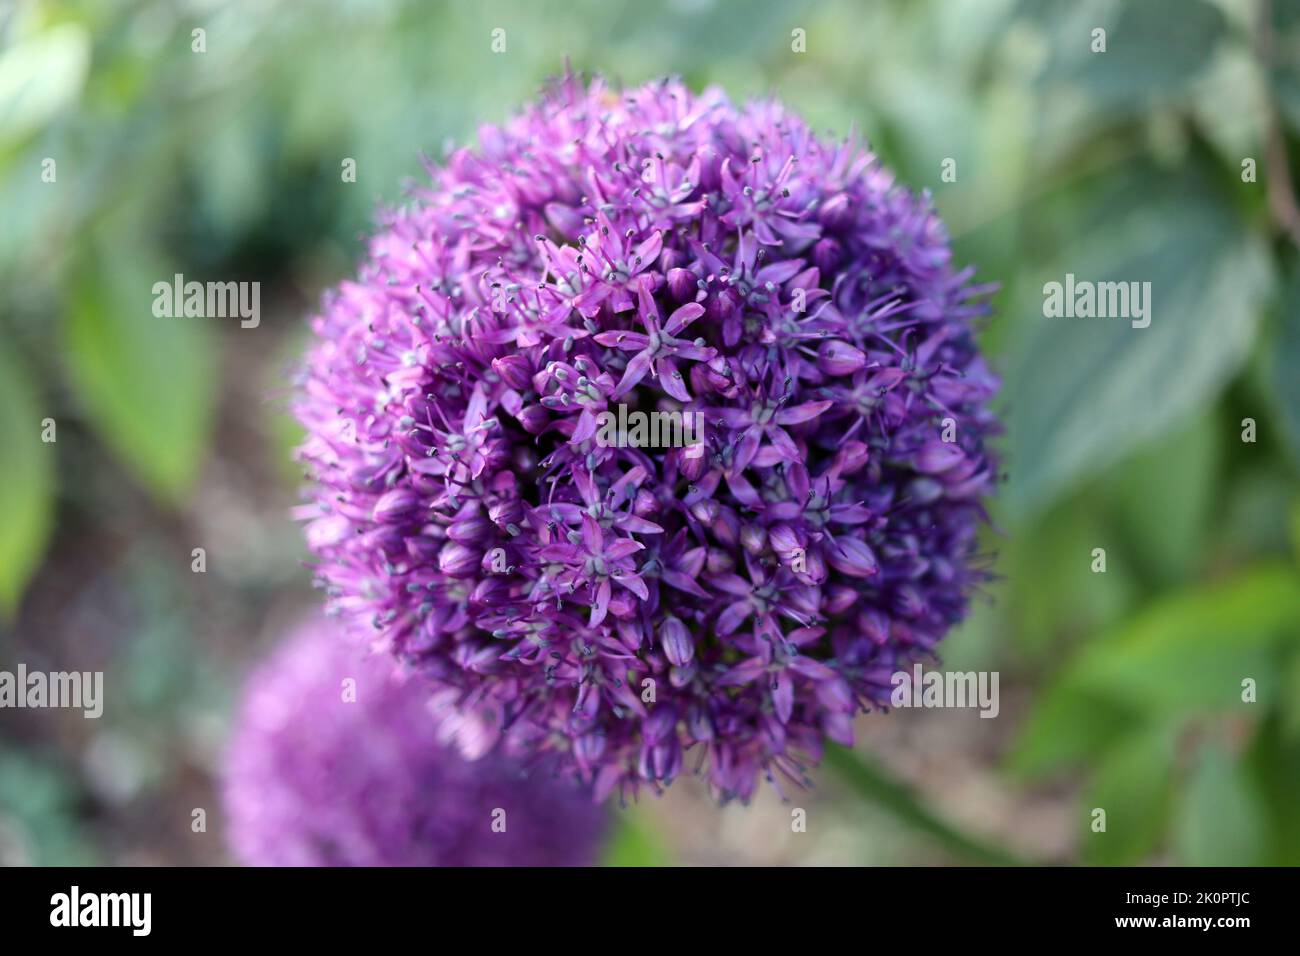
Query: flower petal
(632, 375)
(733, 616)
(601, 607)
(802, 413)
(672, 380)
(683, 317)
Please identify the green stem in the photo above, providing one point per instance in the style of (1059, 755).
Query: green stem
(872, 783)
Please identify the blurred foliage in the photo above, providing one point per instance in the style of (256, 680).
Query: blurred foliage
(26, 504)
(1123, 165)
(634, 844)
(147, 385)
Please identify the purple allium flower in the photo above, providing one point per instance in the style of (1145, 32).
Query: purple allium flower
(320, 772)
(627, 609)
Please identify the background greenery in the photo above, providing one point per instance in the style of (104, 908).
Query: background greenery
(1120, 690)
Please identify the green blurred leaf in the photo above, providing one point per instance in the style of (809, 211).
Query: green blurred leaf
(1164, 495)
(1054, 594)
(1233, 77)
(1152, 47)
(1192, 650)
(39, 76)
(1251, 510)
(1293, 528)
(1068, 726)
(1286, 368)
(1181, 654)
(1087, 391)
(635, 844)
(1290, 698)
(1132, 784)
(1285, 74)
(146, 383)
(1219, 822)
(26, 484)
(1274, 758)
(233, 170)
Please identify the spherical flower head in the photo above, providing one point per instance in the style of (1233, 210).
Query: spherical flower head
(335, 762)
(496, 502)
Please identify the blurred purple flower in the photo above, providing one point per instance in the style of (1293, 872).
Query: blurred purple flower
(614, 610)
(335, 762)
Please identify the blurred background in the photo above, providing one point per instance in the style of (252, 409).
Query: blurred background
(1171, 157)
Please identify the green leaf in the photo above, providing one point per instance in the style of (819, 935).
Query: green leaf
(1133, 785)
(635, 844)
(1152, 47)
(1220, 821)
(147, 384)
(1233, 77)
(1164, 495)
(1182, 654)
(1290, 699)
(1286, 368)
(39, 76)
(1068, 726)
(1251, 511)
(1293, 528)
(1285, 74)
(1274, 758)
(1190, 652)
(1054, 594)
(26, 484)
(1085, 392)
